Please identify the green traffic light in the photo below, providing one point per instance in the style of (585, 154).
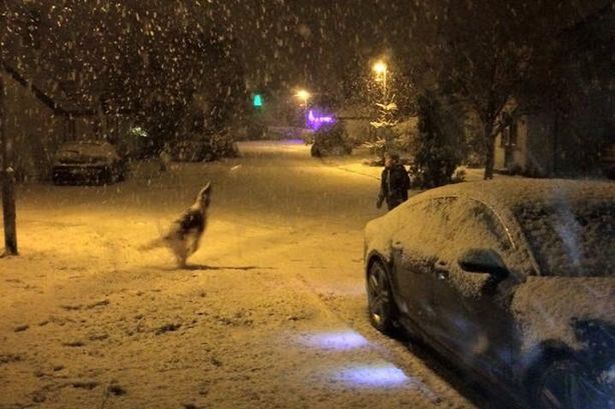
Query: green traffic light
(257, 100)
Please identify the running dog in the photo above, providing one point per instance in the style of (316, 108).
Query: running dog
(184, 235)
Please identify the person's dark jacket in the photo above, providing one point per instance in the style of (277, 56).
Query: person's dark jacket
(394, 185)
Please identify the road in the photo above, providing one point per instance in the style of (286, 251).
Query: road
(269, 314)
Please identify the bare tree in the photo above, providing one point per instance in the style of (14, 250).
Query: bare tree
(483, 52)
(136, 59)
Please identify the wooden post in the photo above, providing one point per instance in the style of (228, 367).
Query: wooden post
(8, 184)
(7, 174)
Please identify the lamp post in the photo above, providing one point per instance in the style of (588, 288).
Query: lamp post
(304, 96)
(7, 173)
(381, 70)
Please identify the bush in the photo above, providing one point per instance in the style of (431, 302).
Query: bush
(438, 140)
(331, 140)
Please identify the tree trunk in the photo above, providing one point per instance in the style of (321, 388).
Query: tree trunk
(8, 185)
(9, 213)
(489, 149)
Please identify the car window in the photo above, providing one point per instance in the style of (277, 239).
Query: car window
(571, 239)
(474, 225)
(484, 220)
(424, 225)
(469, 224)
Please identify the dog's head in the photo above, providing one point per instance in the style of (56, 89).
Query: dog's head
(204, 196)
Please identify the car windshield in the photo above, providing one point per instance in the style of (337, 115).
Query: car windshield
(571, 239)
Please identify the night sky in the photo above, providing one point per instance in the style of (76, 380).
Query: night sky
(286, 42)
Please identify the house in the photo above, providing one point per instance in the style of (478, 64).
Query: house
(571, 135)
(527, 145)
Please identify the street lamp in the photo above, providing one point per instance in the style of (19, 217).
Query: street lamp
(303, 95)
(381, 69)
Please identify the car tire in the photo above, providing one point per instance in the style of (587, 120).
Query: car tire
(564, 383)
(380, 304)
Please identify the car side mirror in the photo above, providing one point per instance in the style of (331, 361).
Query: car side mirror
(483, 261)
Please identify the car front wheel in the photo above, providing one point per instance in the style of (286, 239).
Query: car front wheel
(567, 384)
(379, 299)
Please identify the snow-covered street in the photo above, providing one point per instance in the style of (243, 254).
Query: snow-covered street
(270, 314)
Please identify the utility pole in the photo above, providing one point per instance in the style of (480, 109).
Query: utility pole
(7, 171)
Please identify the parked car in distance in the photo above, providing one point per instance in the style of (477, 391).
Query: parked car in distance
(513, 279)
(88, 162)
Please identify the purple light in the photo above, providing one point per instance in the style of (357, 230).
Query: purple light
(315, 120)
(335, 340)
(377, 376)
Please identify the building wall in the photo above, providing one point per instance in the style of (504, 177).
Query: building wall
(499, 154)
(518, 146)
(540, 152)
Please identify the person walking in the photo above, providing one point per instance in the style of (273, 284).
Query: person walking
(394, 182)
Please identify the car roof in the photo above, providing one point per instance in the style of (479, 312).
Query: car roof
(513, 192)
(504, 195)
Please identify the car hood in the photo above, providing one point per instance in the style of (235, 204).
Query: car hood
(561, 309)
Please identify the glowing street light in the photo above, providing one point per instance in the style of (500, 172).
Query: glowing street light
(381, 69)
(304, 96)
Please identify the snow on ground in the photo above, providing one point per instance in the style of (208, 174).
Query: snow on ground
(270, 314)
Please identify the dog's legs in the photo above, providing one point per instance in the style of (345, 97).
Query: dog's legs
(194, 246)
(181, 262)
(182, 255)
(178, 247)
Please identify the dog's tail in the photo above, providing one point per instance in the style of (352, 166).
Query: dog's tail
(154, 244)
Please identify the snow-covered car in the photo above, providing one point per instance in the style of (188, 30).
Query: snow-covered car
(514, 279)
(88, 161)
